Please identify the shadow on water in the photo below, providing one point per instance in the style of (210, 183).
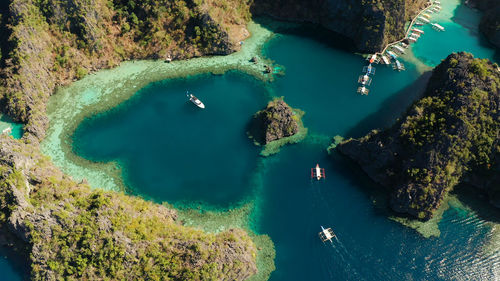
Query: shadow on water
(17, 263)
(309, 31)
(470, 19)
(478, 202)
(352, 172)
(392, 108)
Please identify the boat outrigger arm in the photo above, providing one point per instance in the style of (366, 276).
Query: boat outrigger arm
(326, 234)
(317, 172)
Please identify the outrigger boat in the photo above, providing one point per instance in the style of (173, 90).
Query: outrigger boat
(437, 27)
(363, 90)
(393, 55)
(369, 69)
(317, 172)
(365, 80)
(326, 234)
(398, 49)
(418, 30)
(385, 59)
(195, 100)
(423, 19)
(398, 66)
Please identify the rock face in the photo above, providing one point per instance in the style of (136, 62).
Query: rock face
(74, 233)
(490, 22)
(275, 122)
(449, 136)
(369, 24)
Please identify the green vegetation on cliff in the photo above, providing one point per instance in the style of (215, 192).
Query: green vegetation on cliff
(77, 233)
(448, 135)
(71, 231)
(54, 42)
(277, 125)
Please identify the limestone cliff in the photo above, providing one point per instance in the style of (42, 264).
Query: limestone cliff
(490, 22)
(449, 136)
(370, 24)
(274, 122)
(74, 233)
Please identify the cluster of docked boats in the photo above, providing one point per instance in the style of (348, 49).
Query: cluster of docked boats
(425, 18)
(365, 79)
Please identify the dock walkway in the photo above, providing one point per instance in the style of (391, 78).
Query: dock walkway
(430, 4)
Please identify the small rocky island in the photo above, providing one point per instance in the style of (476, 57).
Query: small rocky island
(276, 125)
(450, 136)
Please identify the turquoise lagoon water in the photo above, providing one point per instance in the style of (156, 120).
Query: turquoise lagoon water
(172, 151)
(17, 128)
(462, 34)
(164, 143)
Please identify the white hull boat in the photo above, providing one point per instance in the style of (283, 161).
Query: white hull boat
(195, 100)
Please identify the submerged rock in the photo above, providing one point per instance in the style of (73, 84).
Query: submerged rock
(275, 122)
(449, 136)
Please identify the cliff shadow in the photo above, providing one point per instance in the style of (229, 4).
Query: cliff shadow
(374, 192)
(16, 254)
(477, 201)
(392, 108)
(307, 30)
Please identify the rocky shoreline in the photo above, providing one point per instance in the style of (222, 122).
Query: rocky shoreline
(449, 136)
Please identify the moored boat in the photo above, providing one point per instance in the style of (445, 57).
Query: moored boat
(195, 100)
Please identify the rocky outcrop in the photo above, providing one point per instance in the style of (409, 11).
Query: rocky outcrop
(73, 232)
(449, 136)
(275, 122)
(490, 22)
(369, 24)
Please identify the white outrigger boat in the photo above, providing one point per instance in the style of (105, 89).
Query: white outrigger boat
(326, 234)
(195, 100)
(437, 27)
(385, 59)
(318, 172)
